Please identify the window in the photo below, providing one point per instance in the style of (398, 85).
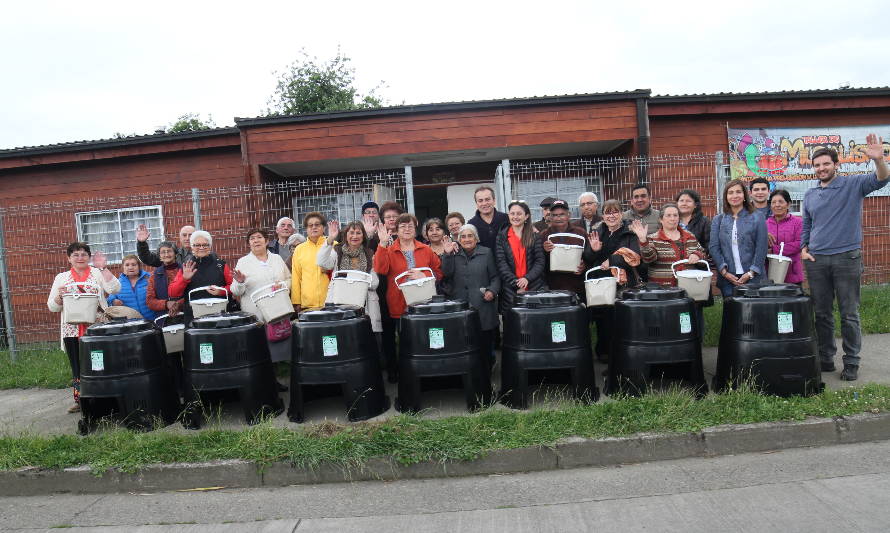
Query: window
(113, 232)
(568, 189)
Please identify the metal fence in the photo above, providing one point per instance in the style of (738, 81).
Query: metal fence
(33, 237)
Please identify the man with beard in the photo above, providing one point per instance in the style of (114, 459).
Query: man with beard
(831, 247)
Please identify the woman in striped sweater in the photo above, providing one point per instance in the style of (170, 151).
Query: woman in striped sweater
(669, 244)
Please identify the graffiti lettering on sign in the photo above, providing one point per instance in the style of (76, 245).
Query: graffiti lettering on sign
(785, 154)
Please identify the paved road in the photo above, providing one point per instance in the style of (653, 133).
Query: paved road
(837, 488)
(42, 411)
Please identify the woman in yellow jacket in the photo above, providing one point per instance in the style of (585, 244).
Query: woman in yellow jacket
(309, 282)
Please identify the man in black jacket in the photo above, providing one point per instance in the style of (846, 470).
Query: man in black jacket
(150, 258)
(488, 220)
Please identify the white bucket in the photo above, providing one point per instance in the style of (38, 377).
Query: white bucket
(80, 307)
(778, 267)
(565, 257)
(417, 290)
(207, 306)
(350, 287)
(696, 283)
(274, 304)
(174, 336)
(601, 291)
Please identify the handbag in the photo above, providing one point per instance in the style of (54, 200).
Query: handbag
(278, 330)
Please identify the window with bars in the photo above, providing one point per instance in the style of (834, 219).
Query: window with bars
(113, 231)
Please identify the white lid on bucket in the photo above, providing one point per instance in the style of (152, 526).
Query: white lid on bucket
(777, 257)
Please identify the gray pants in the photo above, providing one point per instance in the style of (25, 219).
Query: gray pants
(831, 276)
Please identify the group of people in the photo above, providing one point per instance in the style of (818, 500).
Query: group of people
(494, 256)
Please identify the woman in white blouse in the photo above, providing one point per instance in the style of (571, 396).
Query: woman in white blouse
(99, 281)
(258, 268)
(353, 254)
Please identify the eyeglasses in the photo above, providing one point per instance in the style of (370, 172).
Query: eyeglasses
(316, 225)
(204, 245)
(612, 214)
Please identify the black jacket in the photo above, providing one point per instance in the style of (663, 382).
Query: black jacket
(534, 263)
(623, 237)
(700, 226)
(488, 233)
(151, 259)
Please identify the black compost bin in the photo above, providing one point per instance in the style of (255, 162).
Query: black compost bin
(440, 337)
(334, 345)
(125, 374)
(229, 352)
(655, 329)
(767, 335)
(546, 330)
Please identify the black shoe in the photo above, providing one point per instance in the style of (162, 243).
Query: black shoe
(850, 373)
(828, 366)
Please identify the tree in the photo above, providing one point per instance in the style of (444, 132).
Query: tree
(308, 86)
(190, 122)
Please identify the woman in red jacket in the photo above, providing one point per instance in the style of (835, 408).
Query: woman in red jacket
(405, 254)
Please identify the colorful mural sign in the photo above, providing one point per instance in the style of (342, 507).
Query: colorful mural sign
(782, 155)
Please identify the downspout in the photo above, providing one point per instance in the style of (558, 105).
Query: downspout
(643, 139)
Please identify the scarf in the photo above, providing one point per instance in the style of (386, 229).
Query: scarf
(353, 259)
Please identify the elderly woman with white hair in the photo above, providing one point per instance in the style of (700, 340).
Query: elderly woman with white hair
(473, 277)
(202, 268)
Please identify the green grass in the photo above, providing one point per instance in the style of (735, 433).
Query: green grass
(874, 313)
(410, 439)
(35, 367)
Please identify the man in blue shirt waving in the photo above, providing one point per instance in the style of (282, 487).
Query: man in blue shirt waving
(831, 248)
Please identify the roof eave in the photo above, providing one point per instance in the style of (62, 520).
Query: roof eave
(735, 97)
(115, 143)
(445, 107)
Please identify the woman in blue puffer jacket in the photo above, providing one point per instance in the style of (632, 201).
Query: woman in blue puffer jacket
(134, 285)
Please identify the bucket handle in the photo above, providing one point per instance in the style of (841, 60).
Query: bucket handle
(353, 280)
(405, 273)
(612, 268)
(204, 288)
(78, 294)
(675, 263)
(254, 298)
(164, 316)
(583, 240)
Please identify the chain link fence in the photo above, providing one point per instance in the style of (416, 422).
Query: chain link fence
(34, 237)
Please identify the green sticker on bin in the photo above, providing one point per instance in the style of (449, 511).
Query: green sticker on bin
(558, 331)
(97, 360)
(786, 322)
(329, 345)
(205, 351)
(437, 338)
(685, 323)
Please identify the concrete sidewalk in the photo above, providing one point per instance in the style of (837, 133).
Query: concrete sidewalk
(42, 411)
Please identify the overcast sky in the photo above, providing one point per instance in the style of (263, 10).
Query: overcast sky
(85, 70)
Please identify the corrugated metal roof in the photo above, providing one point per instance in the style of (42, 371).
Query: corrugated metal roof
(74, 146)
(807, 93)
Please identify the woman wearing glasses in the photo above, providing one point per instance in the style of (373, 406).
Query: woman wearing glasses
(202, 268)
(309, 282)
(612, 244)
(100, 281)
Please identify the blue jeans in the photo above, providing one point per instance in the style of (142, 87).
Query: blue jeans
(830, 276)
